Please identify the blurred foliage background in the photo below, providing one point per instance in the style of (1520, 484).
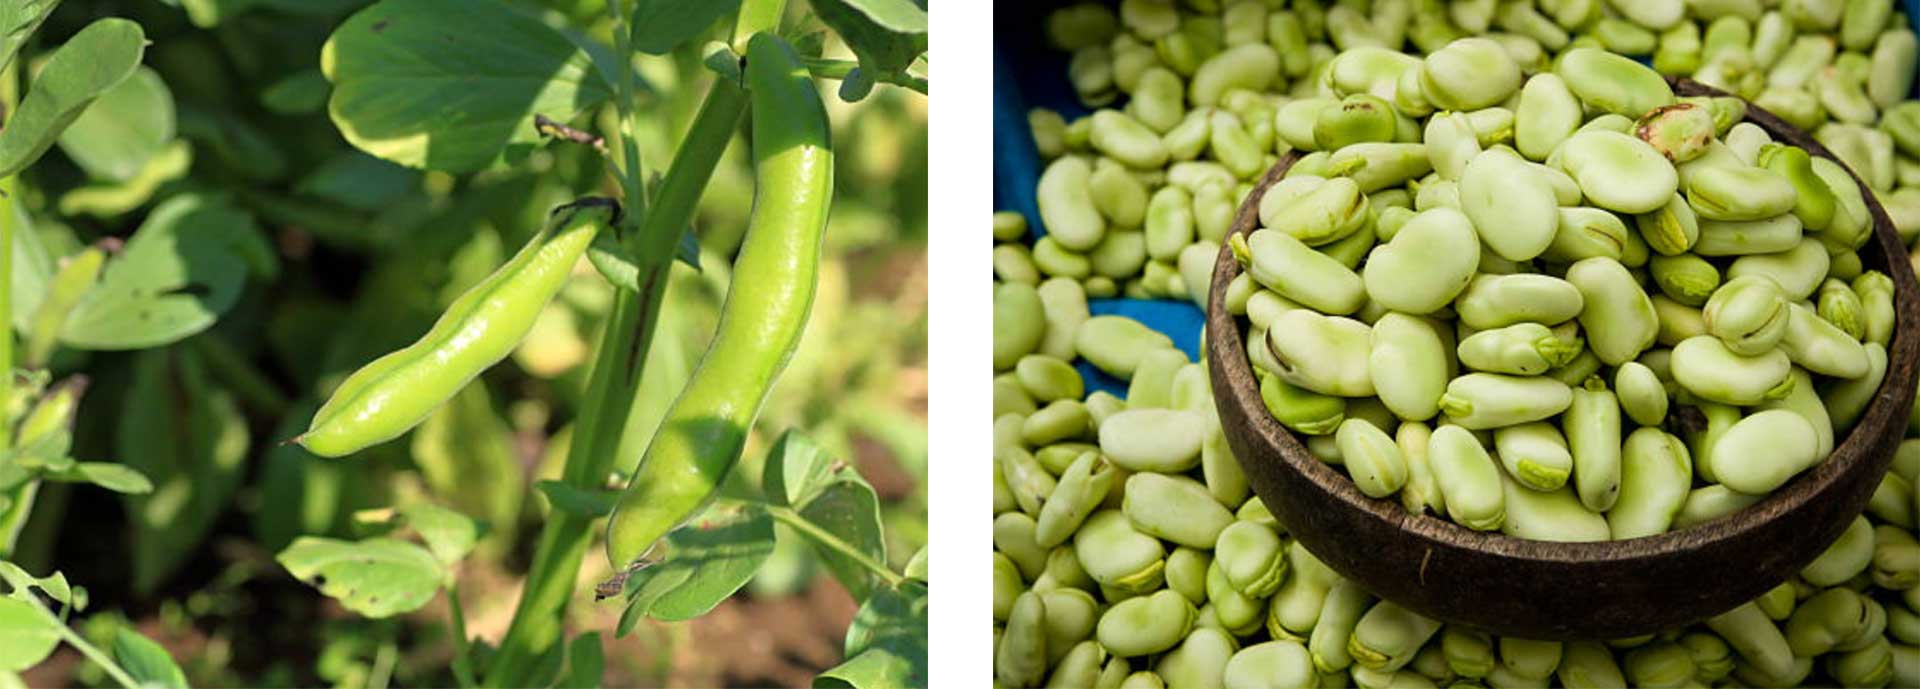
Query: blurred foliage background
(356, 256)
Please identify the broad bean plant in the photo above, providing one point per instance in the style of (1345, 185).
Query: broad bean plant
(1509, 279)
(538, 122)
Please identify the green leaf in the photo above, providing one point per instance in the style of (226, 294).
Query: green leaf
(298, 93)
(146, 661)
(377, 577)
(18, 20)
(299, 493)
(189, 438)
(588, 504)
(235, 142)
(887, 35)
(27, 635)
(359, 181)
(209, 13)
(848, 509)
(22, 585)
(449, 534)
(114, 199)
(94, 60)
(661, 25)
(118, 478)
(886, 643)
(708, 561)
(129, 124)
(452, 84)
(796, 467)
(180, 271)
(585, 663)
(465, 453)
(917, 565)
(32, 269)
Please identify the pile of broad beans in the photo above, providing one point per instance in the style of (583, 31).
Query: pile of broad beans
(1129, 550)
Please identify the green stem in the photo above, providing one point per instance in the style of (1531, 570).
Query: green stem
(615, 378)
(86, 649)
(756, 16)
(786, 515)
(462, 653)
(383, 661)
(633, 179)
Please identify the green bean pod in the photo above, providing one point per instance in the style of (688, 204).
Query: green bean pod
(765, 313)
(397, 391)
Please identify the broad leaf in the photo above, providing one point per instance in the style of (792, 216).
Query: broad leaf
(886, 643)
(94, 60)
(18, 20)
(377, 577)
(129, 124)
(849, 510)
(795, 468)
(27, 635)
(118, 478)
(588, 504)
(300, 493)
(465, 453)
(585, 663)
(452, 84)
(298, 93)
(887, 35)
(189, 438)
(146, 661)
(449, 534)
(707, 561)
(661, 25)
(917, 565)
(359, 181)
(54, 585)
(181, 270)
(32, 269)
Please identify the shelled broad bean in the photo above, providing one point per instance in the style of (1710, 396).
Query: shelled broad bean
(1840, 621)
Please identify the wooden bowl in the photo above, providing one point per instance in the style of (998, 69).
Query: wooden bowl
(1550, 590)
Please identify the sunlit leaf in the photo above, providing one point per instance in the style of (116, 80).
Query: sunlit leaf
(886, 643)
(452, 84)
(849, 510)
(94, 60)
(449, 534)
(377, 577)
(129, 124)
(796, 467)
(118, 478)
(146, 661)
(27, 635)
(179, 272)
(887, 35)
(18, 20)
(707, 561)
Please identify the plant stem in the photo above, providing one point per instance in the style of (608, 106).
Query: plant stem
(462, 659)
(79, 643)
(614, 380)
(633, 179)
(793, 519)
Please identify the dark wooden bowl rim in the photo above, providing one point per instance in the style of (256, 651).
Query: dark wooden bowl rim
(1552, 590)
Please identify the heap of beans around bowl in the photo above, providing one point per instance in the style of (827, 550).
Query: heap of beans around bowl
(1129, 552)
(1602, 313)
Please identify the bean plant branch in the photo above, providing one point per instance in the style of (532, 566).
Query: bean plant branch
(613, 383)
(80, 643)
(793, 519)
